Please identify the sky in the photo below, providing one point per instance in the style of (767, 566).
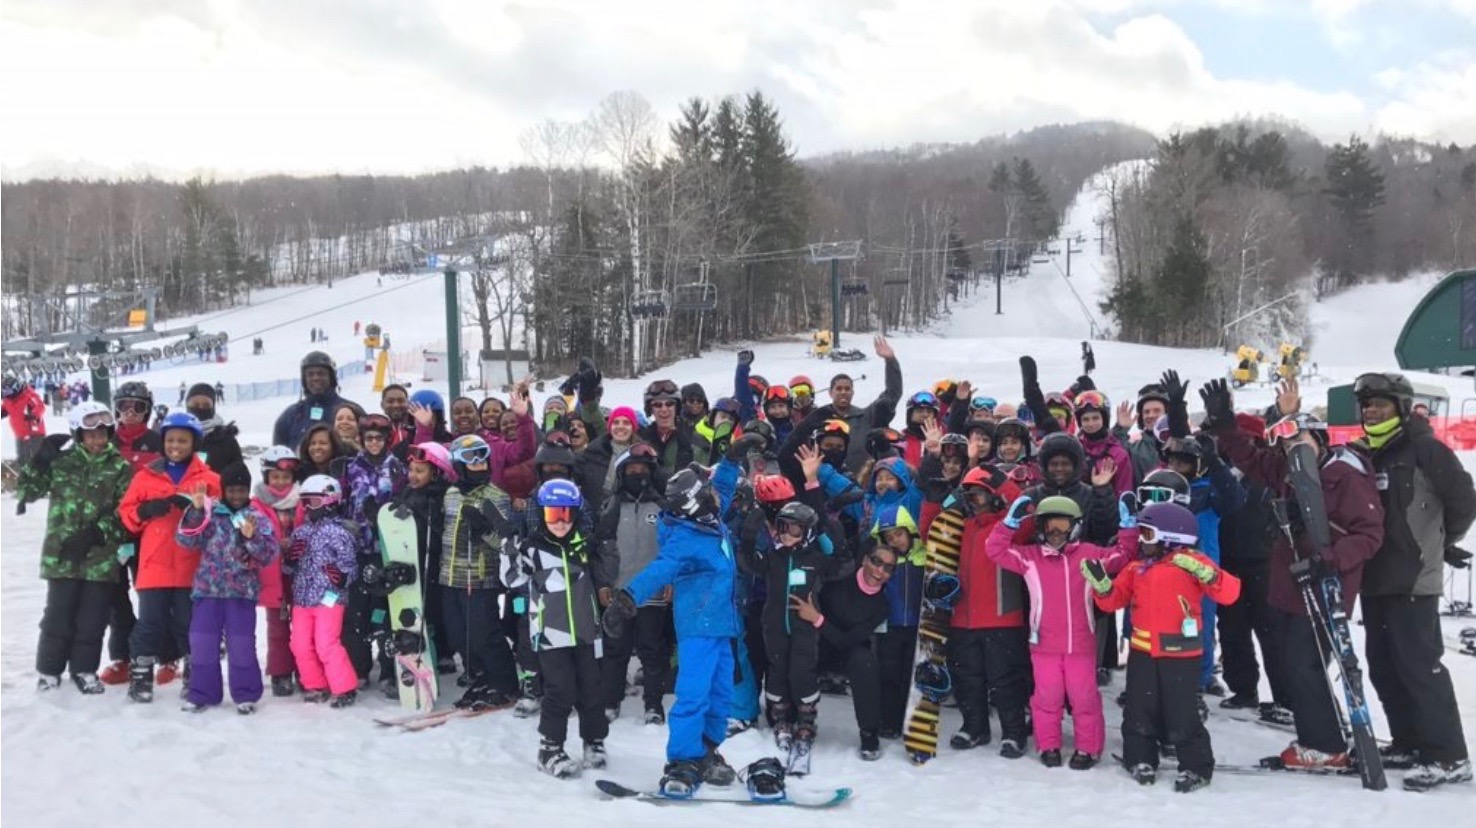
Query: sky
(230, 88)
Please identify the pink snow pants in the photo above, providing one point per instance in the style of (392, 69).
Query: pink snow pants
(322, 662)
(1062, 677)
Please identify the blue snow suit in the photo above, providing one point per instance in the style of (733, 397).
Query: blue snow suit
(697, 558)
(1212, 496)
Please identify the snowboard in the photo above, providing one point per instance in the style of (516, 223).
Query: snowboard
(923, 727)
(733, 795)
(435, 718)
(415, 657)
(1324, 599)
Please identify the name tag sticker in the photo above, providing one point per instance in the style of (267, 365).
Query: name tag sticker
(1190, 628)
(315, 413)
(797, 577)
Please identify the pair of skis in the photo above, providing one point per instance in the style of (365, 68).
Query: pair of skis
(1322, 595)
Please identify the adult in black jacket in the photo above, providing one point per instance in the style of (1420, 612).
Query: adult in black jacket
(319, 400)
(1246, 535)
(219, 447)
(1429, 504)
(1064, 473)
(879, 413)
(850, 610)
(665, 433)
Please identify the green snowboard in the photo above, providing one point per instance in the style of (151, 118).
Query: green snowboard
(415, 657)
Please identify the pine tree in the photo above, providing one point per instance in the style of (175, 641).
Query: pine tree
(1182, 284)
(1040, 219)
(1355, 188)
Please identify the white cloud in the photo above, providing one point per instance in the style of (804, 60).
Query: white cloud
(1434, 100)
(240, 86)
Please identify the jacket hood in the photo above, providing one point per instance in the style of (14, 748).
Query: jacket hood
(897, 466)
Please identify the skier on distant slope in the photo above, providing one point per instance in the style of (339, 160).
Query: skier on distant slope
(1353, 507)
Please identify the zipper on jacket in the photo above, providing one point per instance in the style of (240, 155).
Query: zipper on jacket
(1066, 585)
(569, 595)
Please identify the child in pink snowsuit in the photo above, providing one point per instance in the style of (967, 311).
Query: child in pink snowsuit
(321, 562)
(1063, 643)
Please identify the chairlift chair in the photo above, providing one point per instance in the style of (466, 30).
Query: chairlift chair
(854, 286)
(648, 304)
(957, 275)
(698, 297)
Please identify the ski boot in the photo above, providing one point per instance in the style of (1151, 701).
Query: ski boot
(446, 665)
(1214, 688)
(1204, 711)
(870, 746)
(530, 701)
(765, 779)
(1299, 757)
(45, 683)
(316, 696)
(681, 779)
(389, 687)
(167, 673)
(612, 713)
(1143, 773)
(964, 740)
(474, 697)
(737, 726)
(1011, 748)
(833, 684)
(1434, 774)
(1104, 676)
(1398, 757)
(192, 707)
(553, 761)
(1051, 758)
(777, 713)
(656, 716)
(141, 680)
(1241, 701)
(1188, 781)
(246, 708)
(343, 700)
(890, 733)
(594, 754)
(715, 769)
(1082, 761)
(88, 683)
(283, 686)
(115, 673)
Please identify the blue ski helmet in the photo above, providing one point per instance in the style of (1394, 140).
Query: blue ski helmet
(426, 398)
(185, 420)
(559, 492)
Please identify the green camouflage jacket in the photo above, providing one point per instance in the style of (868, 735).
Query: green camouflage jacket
(85, 490)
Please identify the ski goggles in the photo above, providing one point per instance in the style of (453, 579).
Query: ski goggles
(802, 392)
(374, 422)
(790, 528)
(315, 502)
(662, 388)
(776, 393)
(877, 561)
(837, 427)
(1288, 428)
(100, 419)
(558, 514)
(983, 404)
(1161, 494)
(923, 399)
(418, 454)
(1152, 534)
(1375, 385)
(1091, 399)
(132, 406)
(286, 464)
(471, 455)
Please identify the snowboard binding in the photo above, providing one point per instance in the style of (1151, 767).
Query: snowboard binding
(933, 681)
(765, 779)
(382, 580)
(940, 591)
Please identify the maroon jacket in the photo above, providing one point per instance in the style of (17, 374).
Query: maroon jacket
(1353, 510)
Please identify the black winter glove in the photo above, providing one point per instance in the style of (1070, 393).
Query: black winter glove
(1210, 450)
(1218, 405)
(753, 524)
(743, 445)
(158, 507)
(1173, 386)
(79, 544)
(48, 451)
(622, 608)
(1309, 570)
(589, 375)
(745, 357)
(1457, 558)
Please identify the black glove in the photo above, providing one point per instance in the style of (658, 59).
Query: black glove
(589, 375)
(753, 524)
(1457, 558)
(158, 507)
(622, 608)
(745, 444)
(48, 451)
(1310, 569)
(78, 545)
(335, 575)
(181, 502)
(1210, 451)
(1218, 407)
(570, 385)
(745, 357)
(1030, 381)
(1174, 387)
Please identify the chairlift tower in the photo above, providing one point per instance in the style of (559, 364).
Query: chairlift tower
(835, 253)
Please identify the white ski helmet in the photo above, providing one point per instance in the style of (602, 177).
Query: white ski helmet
(319, 492)
(88, 416)
(279, 457)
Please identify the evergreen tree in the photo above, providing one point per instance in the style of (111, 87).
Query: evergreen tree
(1355, 188)
(1039, 218)
(1182, 284)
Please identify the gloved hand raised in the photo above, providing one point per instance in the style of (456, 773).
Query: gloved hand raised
(1127, 510)
(1096, 576)
(1204, 572)
(1017, 512)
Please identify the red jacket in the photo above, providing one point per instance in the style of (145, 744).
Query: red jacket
(1161, 598)
(162, 562)
(1353, 509)
(27, 414)
(988, 596)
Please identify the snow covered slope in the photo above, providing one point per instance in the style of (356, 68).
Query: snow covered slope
(71, 760)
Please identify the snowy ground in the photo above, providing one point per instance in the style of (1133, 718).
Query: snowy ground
(72, 760)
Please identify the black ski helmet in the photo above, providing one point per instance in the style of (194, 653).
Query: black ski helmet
(1184, 447)
(1390, 386)
(689, 493)
(1061, 443)
(318, 359)
(134, 390)
(1148, 393)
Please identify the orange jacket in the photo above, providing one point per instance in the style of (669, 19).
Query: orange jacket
(162, 562)
(1163, 597)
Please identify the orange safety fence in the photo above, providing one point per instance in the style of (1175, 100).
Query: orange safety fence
(1457, 432)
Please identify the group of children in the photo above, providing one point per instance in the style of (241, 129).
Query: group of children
(786, 555)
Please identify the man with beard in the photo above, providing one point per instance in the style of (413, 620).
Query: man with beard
(319, 400)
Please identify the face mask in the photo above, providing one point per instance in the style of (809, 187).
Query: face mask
(475, 477)
(201, 413)
(635, 484)
(834, 457)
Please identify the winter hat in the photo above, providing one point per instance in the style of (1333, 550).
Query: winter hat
(1251, 425)
(236, 474)
(623, 411)
(694, 391)
(202, 389)
(555, 403)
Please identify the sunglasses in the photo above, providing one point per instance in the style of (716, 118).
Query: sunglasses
(374, 436)
(663, 404)
(877, 561)
(102, 419)
(132, 407)
(1161, 494)
(558, 514)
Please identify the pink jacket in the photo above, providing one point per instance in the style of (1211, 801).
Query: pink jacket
(1061, 619)
(1107, 446)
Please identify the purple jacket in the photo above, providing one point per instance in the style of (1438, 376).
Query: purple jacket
(1107, 446)
(505, 453)
(369, 487)
(328, 541)
(230, 565)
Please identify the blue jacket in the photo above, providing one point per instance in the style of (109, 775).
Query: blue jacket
(1212, 496)
(697, 558)
(904, 589)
